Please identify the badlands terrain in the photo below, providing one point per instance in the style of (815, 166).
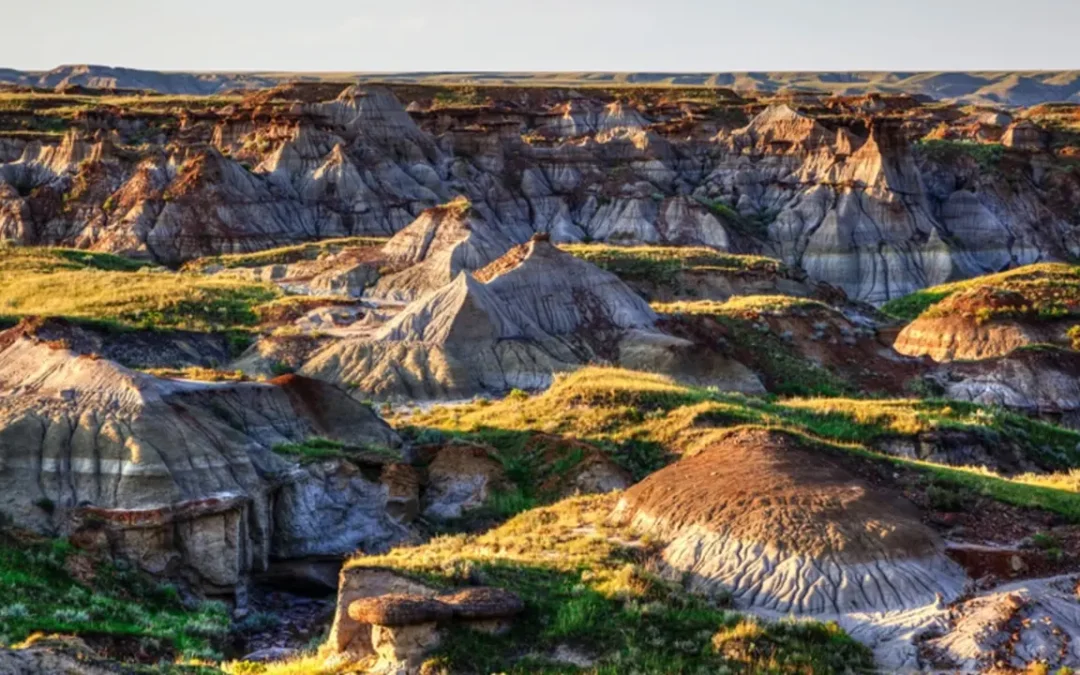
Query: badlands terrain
(989, 87)
(426, 378)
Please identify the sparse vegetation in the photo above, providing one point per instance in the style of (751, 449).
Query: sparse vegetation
(287, 309)
(615, 409)
(783, 369)
(283, 255)
(1044, 290)
(987, 155)
(744, 305)
(754, 225)
(316, 449)
(198, 373)
(661, 265)
(459, 97)
(587, 586)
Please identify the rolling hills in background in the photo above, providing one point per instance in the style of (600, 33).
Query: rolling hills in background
(981, 87)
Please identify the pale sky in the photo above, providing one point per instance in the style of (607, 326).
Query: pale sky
(558, 35)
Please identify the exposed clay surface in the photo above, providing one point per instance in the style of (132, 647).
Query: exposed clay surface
(534, 312)
(786, 529)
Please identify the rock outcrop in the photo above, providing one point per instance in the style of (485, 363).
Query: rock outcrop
(788, 530)
(180, 476)
(989, 321)
(534, 312)
(390, 622)
(405, 628)
(1041, 382)
(1017, 626)
(456, 342)
(843, 547)
(436, 248)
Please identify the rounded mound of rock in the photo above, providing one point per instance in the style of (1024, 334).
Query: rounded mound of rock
(783, 526)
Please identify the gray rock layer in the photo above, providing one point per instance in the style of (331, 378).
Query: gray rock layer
(182, 475)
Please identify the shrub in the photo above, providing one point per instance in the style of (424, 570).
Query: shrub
(947, 499)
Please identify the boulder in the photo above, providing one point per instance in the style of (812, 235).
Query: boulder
(1020, 626)
(460, 478)
(1041, 382)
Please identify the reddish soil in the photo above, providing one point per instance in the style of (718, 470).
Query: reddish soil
(769, 486)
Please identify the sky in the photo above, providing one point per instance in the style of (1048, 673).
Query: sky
(553, 35)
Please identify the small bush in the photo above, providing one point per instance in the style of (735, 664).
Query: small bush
(17, 610)
(947, 499)
(71, 616)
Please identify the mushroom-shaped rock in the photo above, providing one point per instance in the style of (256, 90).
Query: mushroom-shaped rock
(484, 603)
(404, 628)
(399, 610)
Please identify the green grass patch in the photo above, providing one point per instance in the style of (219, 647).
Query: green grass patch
(108, 289)
(784, 370)
(987, 155)
(617, 410)
(756, 225)
(38, 593)
(1049, 289)
(317, 449)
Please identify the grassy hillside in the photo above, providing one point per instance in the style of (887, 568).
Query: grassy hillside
(644, 421)
(48, 586)
(1046, 289)
(109, 289)
(586, 588)
(783, 369)
(283, 255)
(660, 264)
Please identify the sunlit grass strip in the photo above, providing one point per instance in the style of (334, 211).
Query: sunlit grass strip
(285, 254)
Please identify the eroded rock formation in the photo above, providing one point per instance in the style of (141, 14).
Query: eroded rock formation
(534, 312)
(179, 476)
(838, 188)
(787, 530)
